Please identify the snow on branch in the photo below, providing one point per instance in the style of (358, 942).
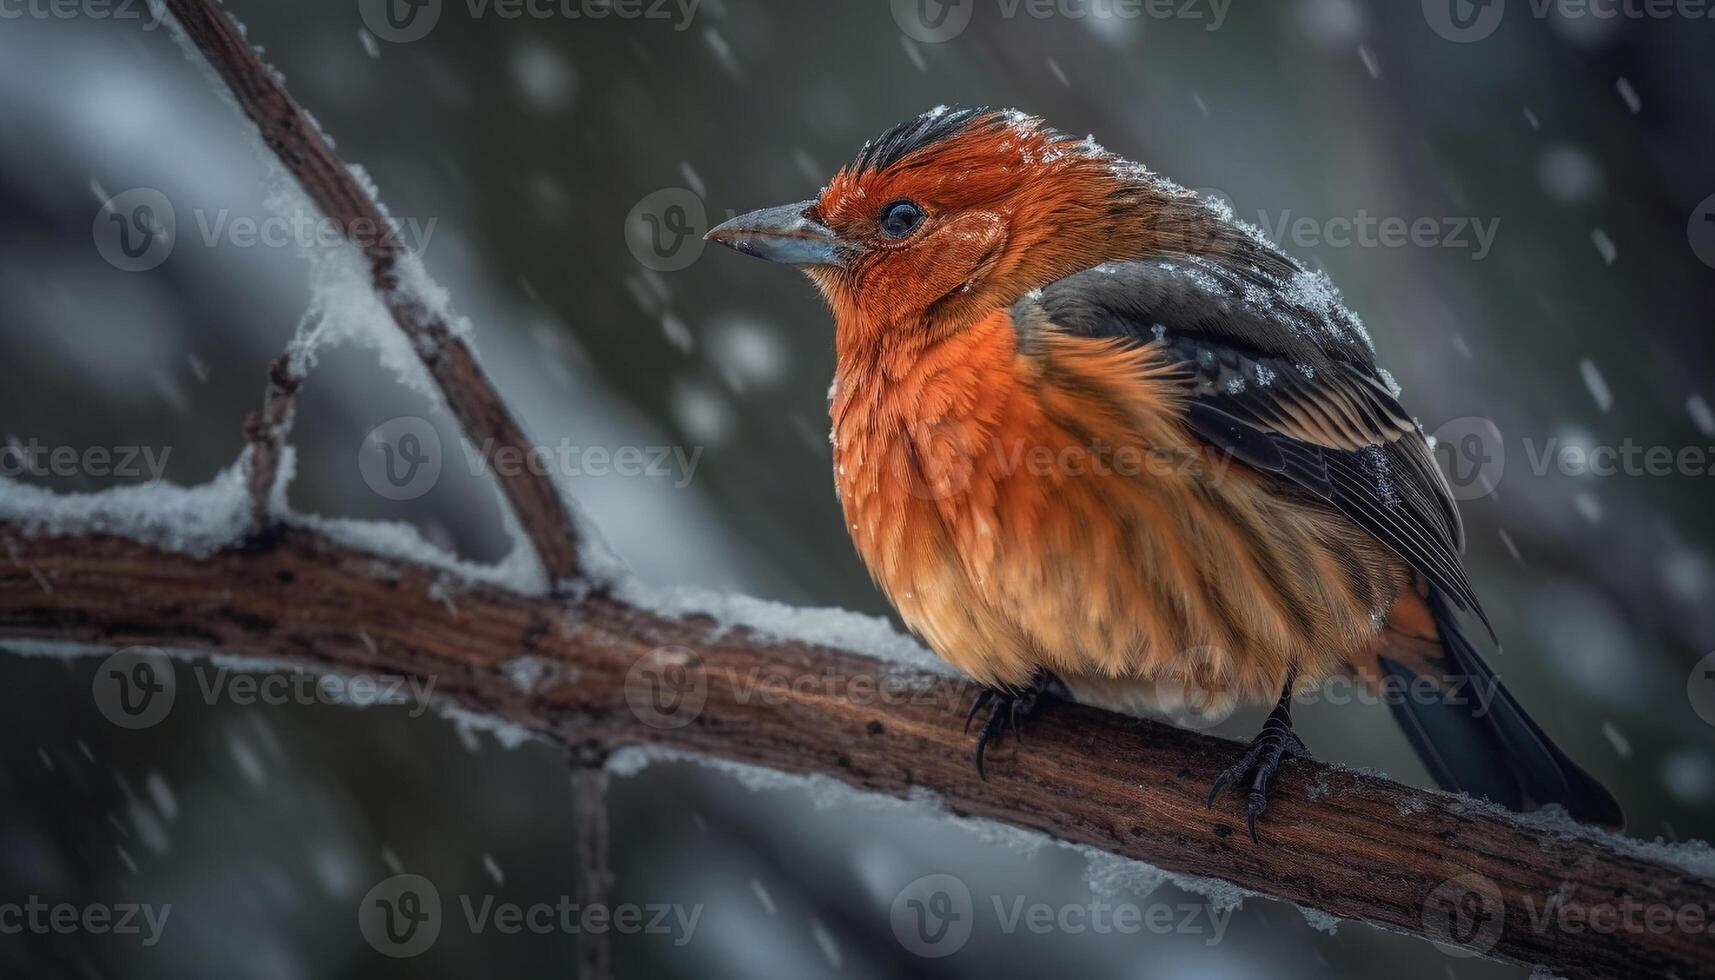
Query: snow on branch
(396, 276)
(829, 697)
(598, 674)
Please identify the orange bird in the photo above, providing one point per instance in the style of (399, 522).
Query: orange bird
(1094, 437)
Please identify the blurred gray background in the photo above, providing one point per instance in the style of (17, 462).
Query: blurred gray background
(528, 151)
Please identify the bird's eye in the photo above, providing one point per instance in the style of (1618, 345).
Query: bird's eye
(900, 218)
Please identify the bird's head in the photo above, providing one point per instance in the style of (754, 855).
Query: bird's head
(958, 212)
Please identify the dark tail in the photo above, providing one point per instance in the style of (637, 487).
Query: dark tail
(1478, 740)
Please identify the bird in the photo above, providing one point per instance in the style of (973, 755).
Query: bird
(1096, 438)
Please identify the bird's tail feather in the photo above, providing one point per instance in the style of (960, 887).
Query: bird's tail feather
(1474, 737)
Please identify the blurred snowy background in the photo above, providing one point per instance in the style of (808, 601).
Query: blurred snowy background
(1552, 296)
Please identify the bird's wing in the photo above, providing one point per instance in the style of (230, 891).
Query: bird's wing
(1282, 378)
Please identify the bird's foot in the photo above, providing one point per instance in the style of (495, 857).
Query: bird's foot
(1272, 746)
(1012, 707)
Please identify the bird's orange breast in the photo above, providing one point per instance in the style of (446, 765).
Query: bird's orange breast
(1044, 507)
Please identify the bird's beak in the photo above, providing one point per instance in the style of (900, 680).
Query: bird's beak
(781, 234)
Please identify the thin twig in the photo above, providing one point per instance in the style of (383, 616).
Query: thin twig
(266, 433)
(1345, 843)
(589, 828)
(303, 151)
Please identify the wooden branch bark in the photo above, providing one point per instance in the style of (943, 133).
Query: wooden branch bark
(589, 823)
(1352, 845)
(265, 432)
(306, 155)
(589, 675)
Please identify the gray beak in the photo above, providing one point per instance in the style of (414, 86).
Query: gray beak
(780, 234)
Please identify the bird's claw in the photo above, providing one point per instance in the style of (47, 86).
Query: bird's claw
(983, 697)
(1012, 707)
(1276, 743)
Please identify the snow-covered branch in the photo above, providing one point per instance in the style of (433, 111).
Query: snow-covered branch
(395, 274)
(599, 673)
(224, 569)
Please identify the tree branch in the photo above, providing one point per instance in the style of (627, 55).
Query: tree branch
(589, 675)
(266, 434)
(1348, 844)
(589, 823)
(305, 153)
